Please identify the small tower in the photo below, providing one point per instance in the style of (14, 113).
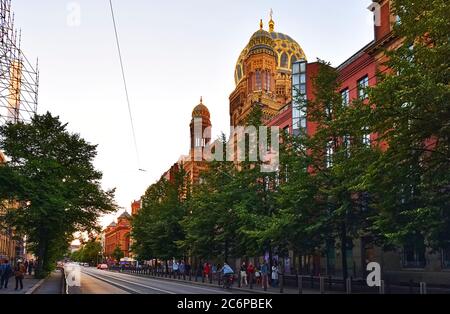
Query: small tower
(200, 130)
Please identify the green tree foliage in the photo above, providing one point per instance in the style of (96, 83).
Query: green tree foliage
(51, 186)
(411, 114)
(157, 227)
(211, 223)
(118, 254)
(88, 253)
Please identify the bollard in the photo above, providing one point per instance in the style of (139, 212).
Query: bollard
(423, 288)
(330, 283)
(349, 286)
(210, 278)
(300, 284)
(382, 287)
(312, 282)
(322, 284)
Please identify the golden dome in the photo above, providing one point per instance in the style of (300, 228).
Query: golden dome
(201, 111)
(286, 49)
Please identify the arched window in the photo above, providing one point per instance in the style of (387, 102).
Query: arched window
(258, 80)
(284, 60)
(267, 82)
(239, 72)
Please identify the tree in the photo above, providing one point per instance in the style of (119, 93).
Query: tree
(53, 189)
(411, 112)
(211, 224)
(118, 254)
(157, 227)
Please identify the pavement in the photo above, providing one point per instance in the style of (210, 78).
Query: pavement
(29, 283)
(51, 285)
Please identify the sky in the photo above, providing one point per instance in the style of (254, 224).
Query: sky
(174, 52)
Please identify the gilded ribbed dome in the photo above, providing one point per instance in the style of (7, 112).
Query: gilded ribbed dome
(286, 49)
(201, 111)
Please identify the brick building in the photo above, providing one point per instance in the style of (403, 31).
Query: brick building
(118, 235)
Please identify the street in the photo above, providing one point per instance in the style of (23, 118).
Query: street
(94, 281)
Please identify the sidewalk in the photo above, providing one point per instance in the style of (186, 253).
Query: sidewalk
(51, 285)
(28, 283)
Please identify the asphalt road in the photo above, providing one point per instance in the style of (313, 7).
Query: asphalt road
(94, 281)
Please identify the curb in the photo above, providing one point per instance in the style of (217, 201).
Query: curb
(35, 287)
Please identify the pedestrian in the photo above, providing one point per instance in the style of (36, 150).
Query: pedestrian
(19, 274)
(6, 274)
(264, 275)
(182, 268)
(258, 275)
(206, 270)
(250, 273)
(175, 267)
(187, 268)
(275, 275)
(244, 274)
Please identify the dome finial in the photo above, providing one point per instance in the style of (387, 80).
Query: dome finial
(271, 22)
(201, 99)
(261, 24)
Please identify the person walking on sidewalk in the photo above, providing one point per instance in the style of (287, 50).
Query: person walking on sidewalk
(6, 272)
(19, 273)
(275, 275)
(264, 275)
(206, 270)
(250, 273)
(244, 274)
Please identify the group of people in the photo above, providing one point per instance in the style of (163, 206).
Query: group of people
(260, 274)
(19, 272)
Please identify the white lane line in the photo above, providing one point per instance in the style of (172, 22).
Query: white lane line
(212, 289)
(144, 286)
(113, 283)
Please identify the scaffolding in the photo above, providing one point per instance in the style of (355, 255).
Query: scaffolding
(19, 80)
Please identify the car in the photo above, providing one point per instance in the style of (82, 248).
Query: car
(86, 264)
(102, 267)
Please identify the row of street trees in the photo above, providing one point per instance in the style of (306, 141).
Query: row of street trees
(336, 185)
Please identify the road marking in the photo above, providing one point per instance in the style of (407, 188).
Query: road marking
(113, 283)
(144, 286)
(191, 285)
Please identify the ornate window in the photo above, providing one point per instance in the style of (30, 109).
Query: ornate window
(268, 79)
(284, 60)
(258, 80)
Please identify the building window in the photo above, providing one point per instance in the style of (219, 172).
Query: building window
(299, 110)
(414, 253)
(366, 137)
(258, 80)
(284, 60)
(345, 97)
(347, 145)
(330, 153)
(268, 79)
(363, 84)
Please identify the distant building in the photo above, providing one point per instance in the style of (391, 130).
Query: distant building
(118, 235)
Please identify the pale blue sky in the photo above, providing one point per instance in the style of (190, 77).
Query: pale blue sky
(174, 52)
